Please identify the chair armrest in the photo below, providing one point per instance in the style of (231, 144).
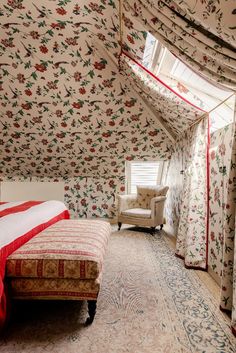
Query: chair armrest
(126, 202)
(157, 207)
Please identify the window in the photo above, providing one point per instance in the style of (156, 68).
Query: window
(143, 173)
(189, 84)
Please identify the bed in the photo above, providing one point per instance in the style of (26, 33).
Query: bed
(19, 222)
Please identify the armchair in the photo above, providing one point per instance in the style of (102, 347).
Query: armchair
(144, 209)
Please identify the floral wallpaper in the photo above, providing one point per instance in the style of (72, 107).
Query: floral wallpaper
(220, 152)
(66, 113)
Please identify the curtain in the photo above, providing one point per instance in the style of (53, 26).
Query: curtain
(200, 33)
(228, 282)
(193, 223)
(176, 113)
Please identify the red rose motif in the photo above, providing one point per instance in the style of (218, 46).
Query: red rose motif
(71, 41)
(106, 134)
(26, 106)
(40, 67)
(58, 25)
(58, 113)
(109, 112)
(43, 49)
(28, 92)
(101, 36)
(99, 66)
(130, 39)
(34, 34)
(94, 207)
(82, 90)
(152, 133)
(130, 103)
(20, 78)
(83, 202)
(77, 76)
(213, 155)
(77, 105)
(61, 11)
(76, 10)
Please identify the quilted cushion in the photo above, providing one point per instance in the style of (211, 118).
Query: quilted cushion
(137, 212)
(146, 193)
(67, 249)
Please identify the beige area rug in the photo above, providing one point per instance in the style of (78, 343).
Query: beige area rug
(148, 303)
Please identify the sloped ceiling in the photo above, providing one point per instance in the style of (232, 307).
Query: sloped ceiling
(65, 108)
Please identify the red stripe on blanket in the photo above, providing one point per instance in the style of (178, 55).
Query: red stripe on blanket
(2, 203)
(8, 249)
(19, 208)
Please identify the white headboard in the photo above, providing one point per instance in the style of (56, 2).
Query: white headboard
(23, 191)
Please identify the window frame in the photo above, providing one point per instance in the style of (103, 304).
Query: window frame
(128, 164)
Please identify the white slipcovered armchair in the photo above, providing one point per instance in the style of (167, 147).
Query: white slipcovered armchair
(144, 209)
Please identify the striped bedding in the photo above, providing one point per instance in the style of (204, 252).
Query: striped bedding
(19, 222)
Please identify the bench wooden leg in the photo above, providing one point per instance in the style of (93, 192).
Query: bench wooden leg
(153, 229)
(119, 225)
(92, 306)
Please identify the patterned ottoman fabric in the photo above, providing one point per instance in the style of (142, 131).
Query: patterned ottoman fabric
(60, 289)
(69, 249)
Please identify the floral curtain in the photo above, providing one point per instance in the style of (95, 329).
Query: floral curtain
(192, 231)
(228, 283)
(176, 113)
(200, 33)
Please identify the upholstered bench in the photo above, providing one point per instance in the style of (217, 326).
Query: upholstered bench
(63, 262)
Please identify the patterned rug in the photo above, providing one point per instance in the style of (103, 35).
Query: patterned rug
(148, 303)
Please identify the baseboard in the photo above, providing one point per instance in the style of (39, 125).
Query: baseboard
(214, 275)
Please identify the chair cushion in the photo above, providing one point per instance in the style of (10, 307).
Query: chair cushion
(146, 193)
(67, 249)
(137, 212)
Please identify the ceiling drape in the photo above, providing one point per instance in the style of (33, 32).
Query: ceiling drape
(201, 34)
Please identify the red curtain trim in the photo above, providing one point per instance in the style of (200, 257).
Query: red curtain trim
(162, 82)
(208, 187)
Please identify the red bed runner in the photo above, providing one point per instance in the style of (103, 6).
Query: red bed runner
(8, 249)
(19, 208)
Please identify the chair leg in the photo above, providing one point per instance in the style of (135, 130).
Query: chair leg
(119, 225)
(153, 230)
(161, 226)
(92, 305)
